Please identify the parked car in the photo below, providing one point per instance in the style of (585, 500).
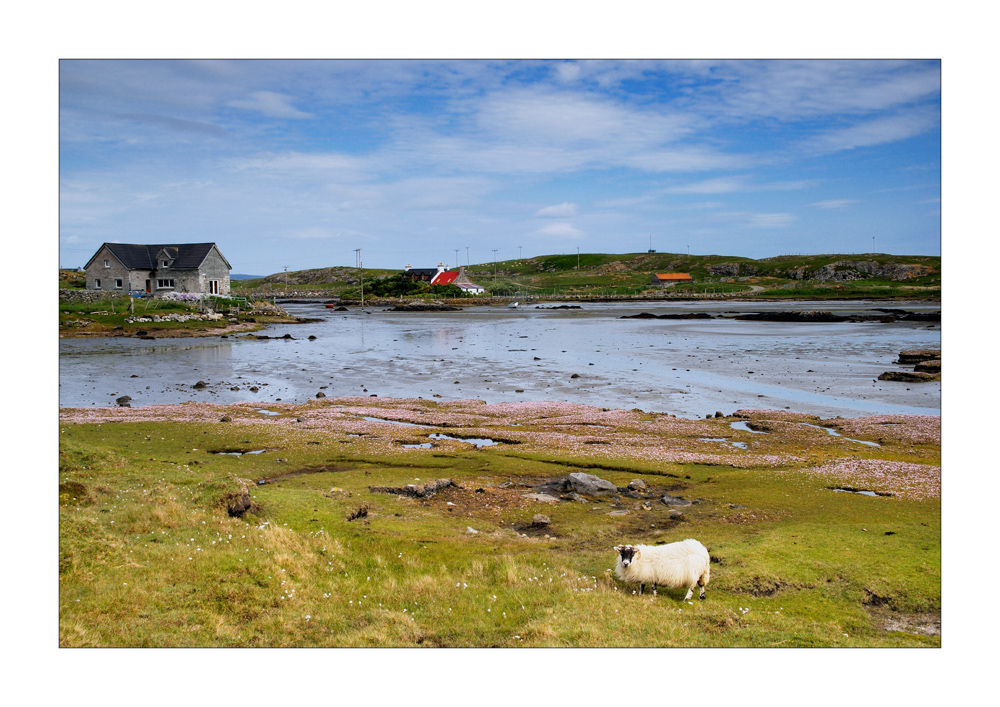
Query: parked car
(138, 293)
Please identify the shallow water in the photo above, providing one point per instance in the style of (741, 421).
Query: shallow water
(689, 368)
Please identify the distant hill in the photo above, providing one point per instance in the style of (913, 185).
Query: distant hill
(241, 276)
(596, 274)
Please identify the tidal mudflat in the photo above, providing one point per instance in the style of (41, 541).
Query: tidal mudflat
(687, 367)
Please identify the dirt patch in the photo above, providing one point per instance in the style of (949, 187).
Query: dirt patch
(360, 512)
(415, 491)
(323, 469)
(761, 587)
(875, 600)
(923, 624)
(485, 502)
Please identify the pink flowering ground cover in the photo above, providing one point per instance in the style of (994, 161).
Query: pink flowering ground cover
(901, 479)
(572, 430)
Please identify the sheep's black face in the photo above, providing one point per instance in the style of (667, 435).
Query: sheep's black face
(627, 553)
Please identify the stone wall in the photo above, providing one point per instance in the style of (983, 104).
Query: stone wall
(89, 295)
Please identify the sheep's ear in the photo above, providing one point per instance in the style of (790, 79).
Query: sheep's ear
(619, 548)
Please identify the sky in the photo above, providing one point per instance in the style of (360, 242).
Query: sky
(298, 164)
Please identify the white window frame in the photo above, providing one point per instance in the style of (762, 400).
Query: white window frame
(119, 283)
(97, 283)
(213, 287)
(168, 286)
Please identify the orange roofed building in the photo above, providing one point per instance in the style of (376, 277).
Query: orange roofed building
(669, 279)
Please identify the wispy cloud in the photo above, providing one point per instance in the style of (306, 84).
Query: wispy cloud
(563, 210)
(770, 220)
(833, 203)
(271, 104)
(564, 230)
(742, 183)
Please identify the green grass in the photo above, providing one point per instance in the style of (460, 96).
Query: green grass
(149, 557)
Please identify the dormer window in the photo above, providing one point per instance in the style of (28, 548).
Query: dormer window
(164, 263)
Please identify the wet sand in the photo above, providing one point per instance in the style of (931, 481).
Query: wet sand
(690, 368)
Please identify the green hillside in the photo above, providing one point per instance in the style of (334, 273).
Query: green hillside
(603, 274)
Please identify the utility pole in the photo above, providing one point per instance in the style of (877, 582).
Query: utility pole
(456, 257)
(286, 279)
(466, 256)
(578, 257)
(494, 266)
(519, 252)
(361, 269)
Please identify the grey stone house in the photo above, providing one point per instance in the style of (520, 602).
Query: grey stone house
(158, 269)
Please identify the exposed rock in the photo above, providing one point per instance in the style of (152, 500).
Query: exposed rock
(636, 485)
(724, 269)
(225, 418)
(933, 366)
(540, 521)
(321, 394)
(424, 308)
(123, 401)
(200, 384)
(687, 315)
(909, 377)
(668, 500)
(590, 485)
(792, 316)
(915, 356)
(542, 497)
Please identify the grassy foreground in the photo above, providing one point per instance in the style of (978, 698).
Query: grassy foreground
(149, 555)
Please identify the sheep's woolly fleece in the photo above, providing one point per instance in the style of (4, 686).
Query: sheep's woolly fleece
(569, 429)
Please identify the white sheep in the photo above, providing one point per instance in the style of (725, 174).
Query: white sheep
(677, 565)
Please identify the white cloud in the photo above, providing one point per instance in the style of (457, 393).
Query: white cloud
(561, 229)
(740, 183)
(875, 132)
(563, 210)
(271, 104)
(834, 203)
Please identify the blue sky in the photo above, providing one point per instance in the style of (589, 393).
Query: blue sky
(298, 163)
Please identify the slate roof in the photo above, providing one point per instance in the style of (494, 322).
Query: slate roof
(134, 256)
(418, 273)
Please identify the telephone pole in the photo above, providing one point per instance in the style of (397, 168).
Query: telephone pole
(361, 270)
(494, 266)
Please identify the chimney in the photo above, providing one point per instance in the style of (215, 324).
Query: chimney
(407, 268)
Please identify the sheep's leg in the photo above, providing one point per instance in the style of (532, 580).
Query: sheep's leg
(641, 588)
(654, 589)
(702, 595)
(690, 592)
(703, 580)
